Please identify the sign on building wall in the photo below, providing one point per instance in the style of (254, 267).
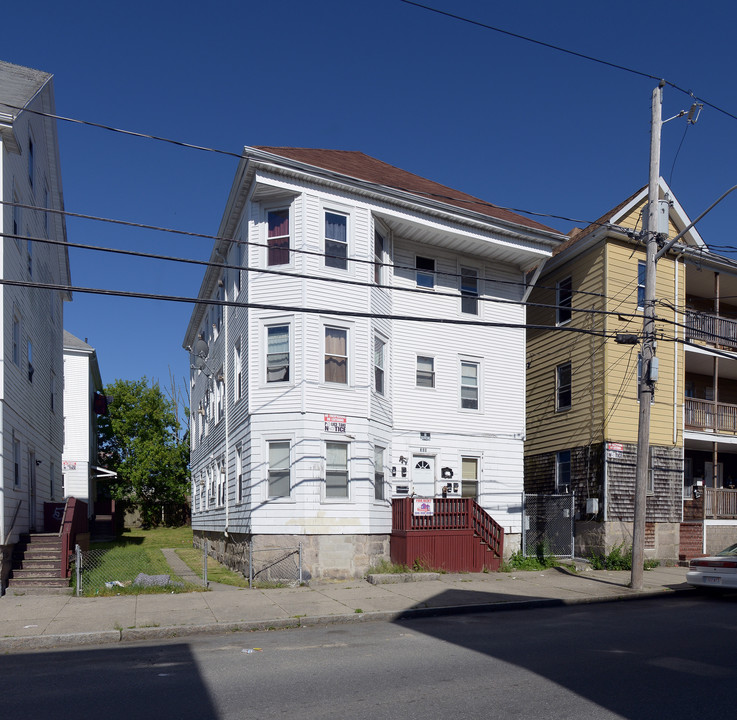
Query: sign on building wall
(68, 465)
(424, 507)
(335, 423)
(614, 450)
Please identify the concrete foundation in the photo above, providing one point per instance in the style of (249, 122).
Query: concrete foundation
(719, 537)
(599, 538)
(275, 557)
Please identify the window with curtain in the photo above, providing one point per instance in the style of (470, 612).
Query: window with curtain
(470, 477)
(336, 241)
(336, 355)
(379, 365)
(277, 353)
(336, 472)
(378, 473)
(278, 237)
(470, 385)
(425, 371)
(279, 469)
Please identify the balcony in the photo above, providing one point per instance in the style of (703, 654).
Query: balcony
(711, 329)
(710, 415)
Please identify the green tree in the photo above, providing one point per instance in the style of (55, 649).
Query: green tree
(142, 440)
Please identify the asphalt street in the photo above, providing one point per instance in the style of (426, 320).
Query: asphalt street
(673, 657)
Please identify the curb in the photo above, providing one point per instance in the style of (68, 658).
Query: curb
(103, 637)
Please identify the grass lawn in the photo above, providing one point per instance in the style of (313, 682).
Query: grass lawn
(215, 571)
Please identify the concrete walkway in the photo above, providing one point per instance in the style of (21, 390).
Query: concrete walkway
(38, 621)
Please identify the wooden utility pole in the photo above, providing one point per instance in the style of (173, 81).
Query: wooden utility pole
(648, 373)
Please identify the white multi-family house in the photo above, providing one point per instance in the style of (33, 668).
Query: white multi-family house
(31, 374)
(360, 337)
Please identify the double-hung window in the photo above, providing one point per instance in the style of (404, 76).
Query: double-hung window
(378, 256)
(278, 237)
(16, 460)
(239, 473)
(336, 241)
(336, 355)
(425, 371)
(563, 471)
(425, 272)
(641, 275)
(564, 298)
(277, 353)
(378, 473)
(279, 469)
(379, 346)
(238, 370)
(469, 385)
(469, 291)
(336, 470)
(563, 387)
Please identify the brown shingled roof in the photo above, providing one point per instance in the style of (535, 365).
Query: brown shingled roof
(364, 167)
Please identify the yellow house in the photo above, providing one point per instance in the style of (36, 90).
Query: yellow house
(583, 348)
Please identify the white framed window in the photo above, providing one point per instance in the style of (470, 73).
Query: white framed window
(641, 276)
(470, 477)
(425, 376)
(469, 291)
(336, 470)
(16, 460)
(563, 301)
(563, 390)
(222, 483)
(469, 385)
(336, 355)
(211, 481)
(277, 353)
(425, 272)
(379, 347)
(238, 370)
(220, 396)
(277, 237)
(563, 471)
(239, 473)
(379, 491)
(379, 245)
(237, 260)
(336, 240)
(279, 473)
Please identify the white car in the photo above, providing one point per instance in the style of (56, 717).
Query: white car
(717, 571)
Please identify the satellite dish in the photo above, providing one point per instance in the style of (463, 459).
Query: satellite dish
(200, 352)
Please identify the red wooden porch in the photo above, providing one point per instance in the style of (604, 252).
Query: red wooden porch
(460, 536)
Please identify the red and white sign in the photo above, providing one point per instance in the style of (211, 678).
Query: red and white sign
(335, 423)
(68, 465)
(424, 507)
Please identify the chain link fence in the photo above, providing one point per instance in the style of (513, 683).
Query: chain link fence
(277, 565)
(547, 527)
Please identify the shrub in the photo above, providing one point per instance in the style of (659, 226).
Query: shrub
(618, 559)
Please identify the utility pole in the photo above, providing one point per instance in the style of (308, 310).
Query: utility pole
(648, 373)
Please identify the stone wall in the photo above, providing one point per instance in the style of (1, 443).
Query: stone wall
(719, 537)
(662, 539)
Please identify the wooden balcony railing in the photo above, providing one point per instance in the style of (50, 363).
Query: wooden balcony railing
(709, 415)
(720, 503)
(711, 329)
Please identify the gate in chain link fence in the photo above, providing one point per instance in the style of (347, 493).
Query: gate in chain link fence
(547, 525)
(278, 565)
(124, 570)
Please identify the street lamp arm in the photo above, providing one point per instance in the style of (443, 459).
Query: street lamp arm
(670, 243)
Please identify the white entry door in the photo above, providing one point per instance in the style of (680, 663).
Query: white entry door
(423, 475)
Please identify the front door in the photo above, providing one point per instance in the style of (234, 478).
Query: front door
(423, 475)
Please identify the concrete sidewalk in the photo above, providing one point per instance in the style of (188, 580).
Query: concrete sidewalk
(38, 621)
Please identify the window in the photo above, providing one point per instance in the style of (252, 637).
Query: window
(336, 470)
(564, 292)
(30, 163)
(16, 460)
(279, 469)
(29, 255)
(470, 477)
(379, 365)
(16, 221)
(30, 362)
(469, 291)
(277, 353)
(278, 237)
(220, 396)
(336, 241)
(425, 371)
(238, 370)
(563, 471)
(378, 256)
(378, 473)
(222, 483)
(641, 274)
(239, 473)
(563, 387)
(16, 340)
(469, 385)
(336, 355)
(425, 271)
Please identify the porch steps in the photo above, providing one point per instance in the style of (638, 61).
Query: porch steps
(37, 565)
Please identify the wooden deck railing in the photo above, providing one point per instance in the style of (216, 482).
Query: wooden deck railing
(720, 503)
(711, 329)
(710, 415)
(74, 523)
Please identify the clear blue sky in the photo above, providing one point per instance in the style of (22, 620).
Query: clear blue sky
(510, 122)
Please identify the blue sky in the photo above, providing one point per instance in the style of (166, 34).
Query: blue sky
(508, 121)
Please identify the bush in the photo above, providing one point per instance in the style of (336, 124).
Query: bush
(618, 559)
(540, 561)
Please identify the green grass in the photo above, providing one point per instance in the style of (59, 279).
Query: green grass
(384, 567)
(618, 559)
(518, 562)
(215, 571)
(164, 537)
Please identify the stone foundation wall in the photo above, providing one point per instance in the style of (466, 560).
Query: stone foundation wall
(719, 537)
(323, 556)
(595, 538)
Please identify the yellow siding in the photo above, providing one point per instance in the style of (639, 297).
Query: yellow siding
(548, 429)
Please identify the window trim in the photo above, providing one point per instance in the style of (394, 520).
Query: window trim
(470, 295)
(477, 364)
(268, 248)
(431, 372)
(379, 258)
(339, 263)
(269, 324)
(278, 440)
(563, 389)
(478, 460)
(641, 279)
(379, 370)
(564, 301)
(347, 329)
(425, 272)
(347, 471)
